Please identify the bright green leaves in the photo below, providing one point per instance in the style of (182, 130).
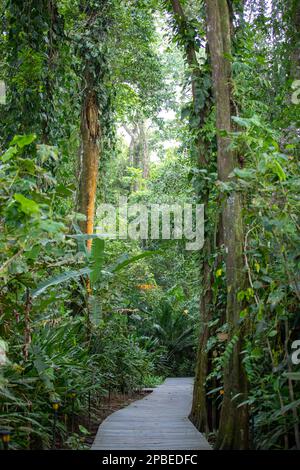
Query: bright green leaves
(229, 350)
(18, 143)
(96, 260)
(269, 165)
(257, 267)
(9, 154)
(245, 173)
(265, 163)
(47, 152)
(27, 206)
(247, 295)
(95, 268)
(22, 141)
(177, 293)
(26, 210)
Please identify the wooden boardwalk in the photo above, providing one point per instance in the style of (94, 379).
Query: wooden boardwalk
(158, 421)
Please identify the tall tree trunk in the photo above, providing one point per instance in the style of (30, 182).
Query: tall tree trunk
(89, 157)
(233, 430)
(199, 412)
(95, 104)
(295, 75)
(295, 39)
(132, 136)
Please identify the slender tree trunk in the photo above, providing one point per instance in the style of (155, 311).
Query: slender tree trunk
(89, 157)
(138, 149)
(144, 150)
(131, 145)
(233, 430)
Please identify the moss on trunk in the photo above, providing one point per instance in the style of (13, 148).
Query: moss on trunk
(89, 162)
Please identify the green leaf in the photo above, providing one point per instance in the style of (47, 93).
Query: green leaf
(45, 372)
(23, 140)
(83, 430)
(244, 313)
(95, 309)
(96, 260)
(51, 226)
(245, 173)
(59, 280)
(243, 122)
(279, 171)
(9, 154)
(28, 206)
(284, 409)
(27, 165)
(240, 296)
(125, 260)
(215, 390)
(85, 236)
(45, 152)
(275, 297)
(62, 190)
(272, 333)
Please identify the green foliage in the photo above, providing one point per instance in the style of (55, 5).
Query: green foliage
(77, 324)
(59, 358)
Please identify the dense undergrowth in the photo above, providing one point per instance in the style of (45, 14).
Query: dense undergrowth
(61, 347)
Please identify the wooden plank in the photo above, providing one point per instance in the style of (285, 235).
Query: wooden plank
(157, 422)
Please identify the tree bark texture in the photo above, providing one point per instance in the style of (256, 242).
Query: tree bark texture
(89, 159)
(233, 430)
